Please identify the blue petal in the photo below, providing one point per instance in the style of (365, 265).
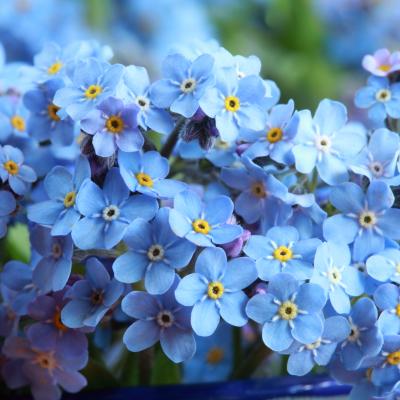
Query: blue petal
(177, 344)
(211, 263)
(205, 317)
(159, 278)
(191, 289)
(141, 335)
(276, 335)
(96, 274)
(130, 267)
(311, 298)
(240, 273)
(307, 328)
(232, 308)
(225, 233)
(300, 363)
(261, 308)
(140, 305)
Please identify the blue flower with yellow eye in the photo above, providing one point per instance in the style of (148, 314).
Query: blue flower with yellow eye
(204, 224)
(288, 311)
(44, 122)
(60, 211)
(146, 172)
(107, 212)
(215, 290)
(159, 318)
(154, 254)
(13, 170)
(91, 82)
(235, 104)
(13, 118)
(7, 206)
(332, 271)
(281, 250)
(387, 299)
(184, 83)
(365, 219)
(138, 89)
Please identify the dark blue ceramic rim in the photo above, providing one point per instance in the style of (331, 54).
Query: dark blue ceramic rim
(256, 389)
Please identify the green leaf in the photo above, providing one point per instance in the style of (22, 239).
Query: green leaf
(98, 376)
(16, 244)
(165, 371)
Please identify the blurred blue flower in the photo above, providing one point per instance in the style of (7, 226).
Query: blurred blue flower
(44, 122)
(303, 357)
(91, 297)
(204, 224)
(7, 206)
(365, 338)
(138, 87)
(213, 359)
(146, 172)
(365, 219)
(91, 82)
(289, 311)
(235, 104)
(184, 83)
(325, 142)
(52, 271)
(60, 211)
(380, 97)
(113, 126)
(13, 118)
(387, 298)
(215, 290)
(385, 266)
(9, 319)
(107, 212)
(159, 318)
(332, 271)
(12, 169)
(154, 254)
(281, 250)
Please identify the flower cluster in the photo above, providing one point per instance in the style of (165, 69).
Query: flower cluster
(177, 210)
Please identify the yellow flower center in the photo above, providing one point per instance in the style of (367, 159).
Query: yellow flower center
(393, 358)
(384, 67)
(144, 179)
(215, 355)
(46, 360)
(93, 91)
(398, 310)
(274, 135)
(11, 167)
(215, 290)
(367, 219)
(258, 189)
(18, 122)
(57, 321)
(232, 103)
(69, 199)
(288, 310)
(201, 226)
(115, 124)
(55, 68)
(283, 253)
(52, 110)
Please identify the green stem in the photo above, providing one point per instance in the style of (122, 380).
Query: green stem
(146, 361)
(172, 139)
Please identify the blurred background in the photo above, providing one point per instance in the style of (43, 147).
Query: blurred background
(311, 48)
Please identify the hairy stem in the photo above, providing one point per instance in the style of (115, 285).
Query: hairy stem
(172, 139)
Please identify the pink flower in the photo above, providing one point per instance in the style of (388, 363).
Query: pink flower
(382, 62)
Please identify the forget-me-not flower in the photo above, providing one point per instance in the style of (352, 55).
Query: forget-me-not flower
(385, 265)
(7, 206)
(13, 118)
(387, 298)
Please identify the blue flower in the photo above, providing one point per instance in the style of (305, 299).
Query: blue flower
(184, 83)
(258, 189)
(138, 87)
(60, 212)
(146, 172)
(288, 311)
(235, 104)
(380, 97)
(215, 290)
(113, 126)
(107, 212)
(154, 254)
(12, 169)
(159, 318)
(54, 267)
(213, 360)
(91, 83)
(326, 142)
(13, 118)
(276, 140)
(7, 206)
(303, 357)
(280, 250)
(387, 298)
(365, 219)
(334, 273)
(44, 122)
(204, 224)
(365, 338)
(91, 297)
(385, 266)
(378, 160)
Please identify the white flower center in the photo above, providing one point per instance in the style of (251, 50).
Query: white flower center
(335, 275)
(323, 143)
(383, 95)
(143, 102)
(188, 85)
(165, 319)
(155, 252)
(367, 219)
(376, 168)
(111, 213)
